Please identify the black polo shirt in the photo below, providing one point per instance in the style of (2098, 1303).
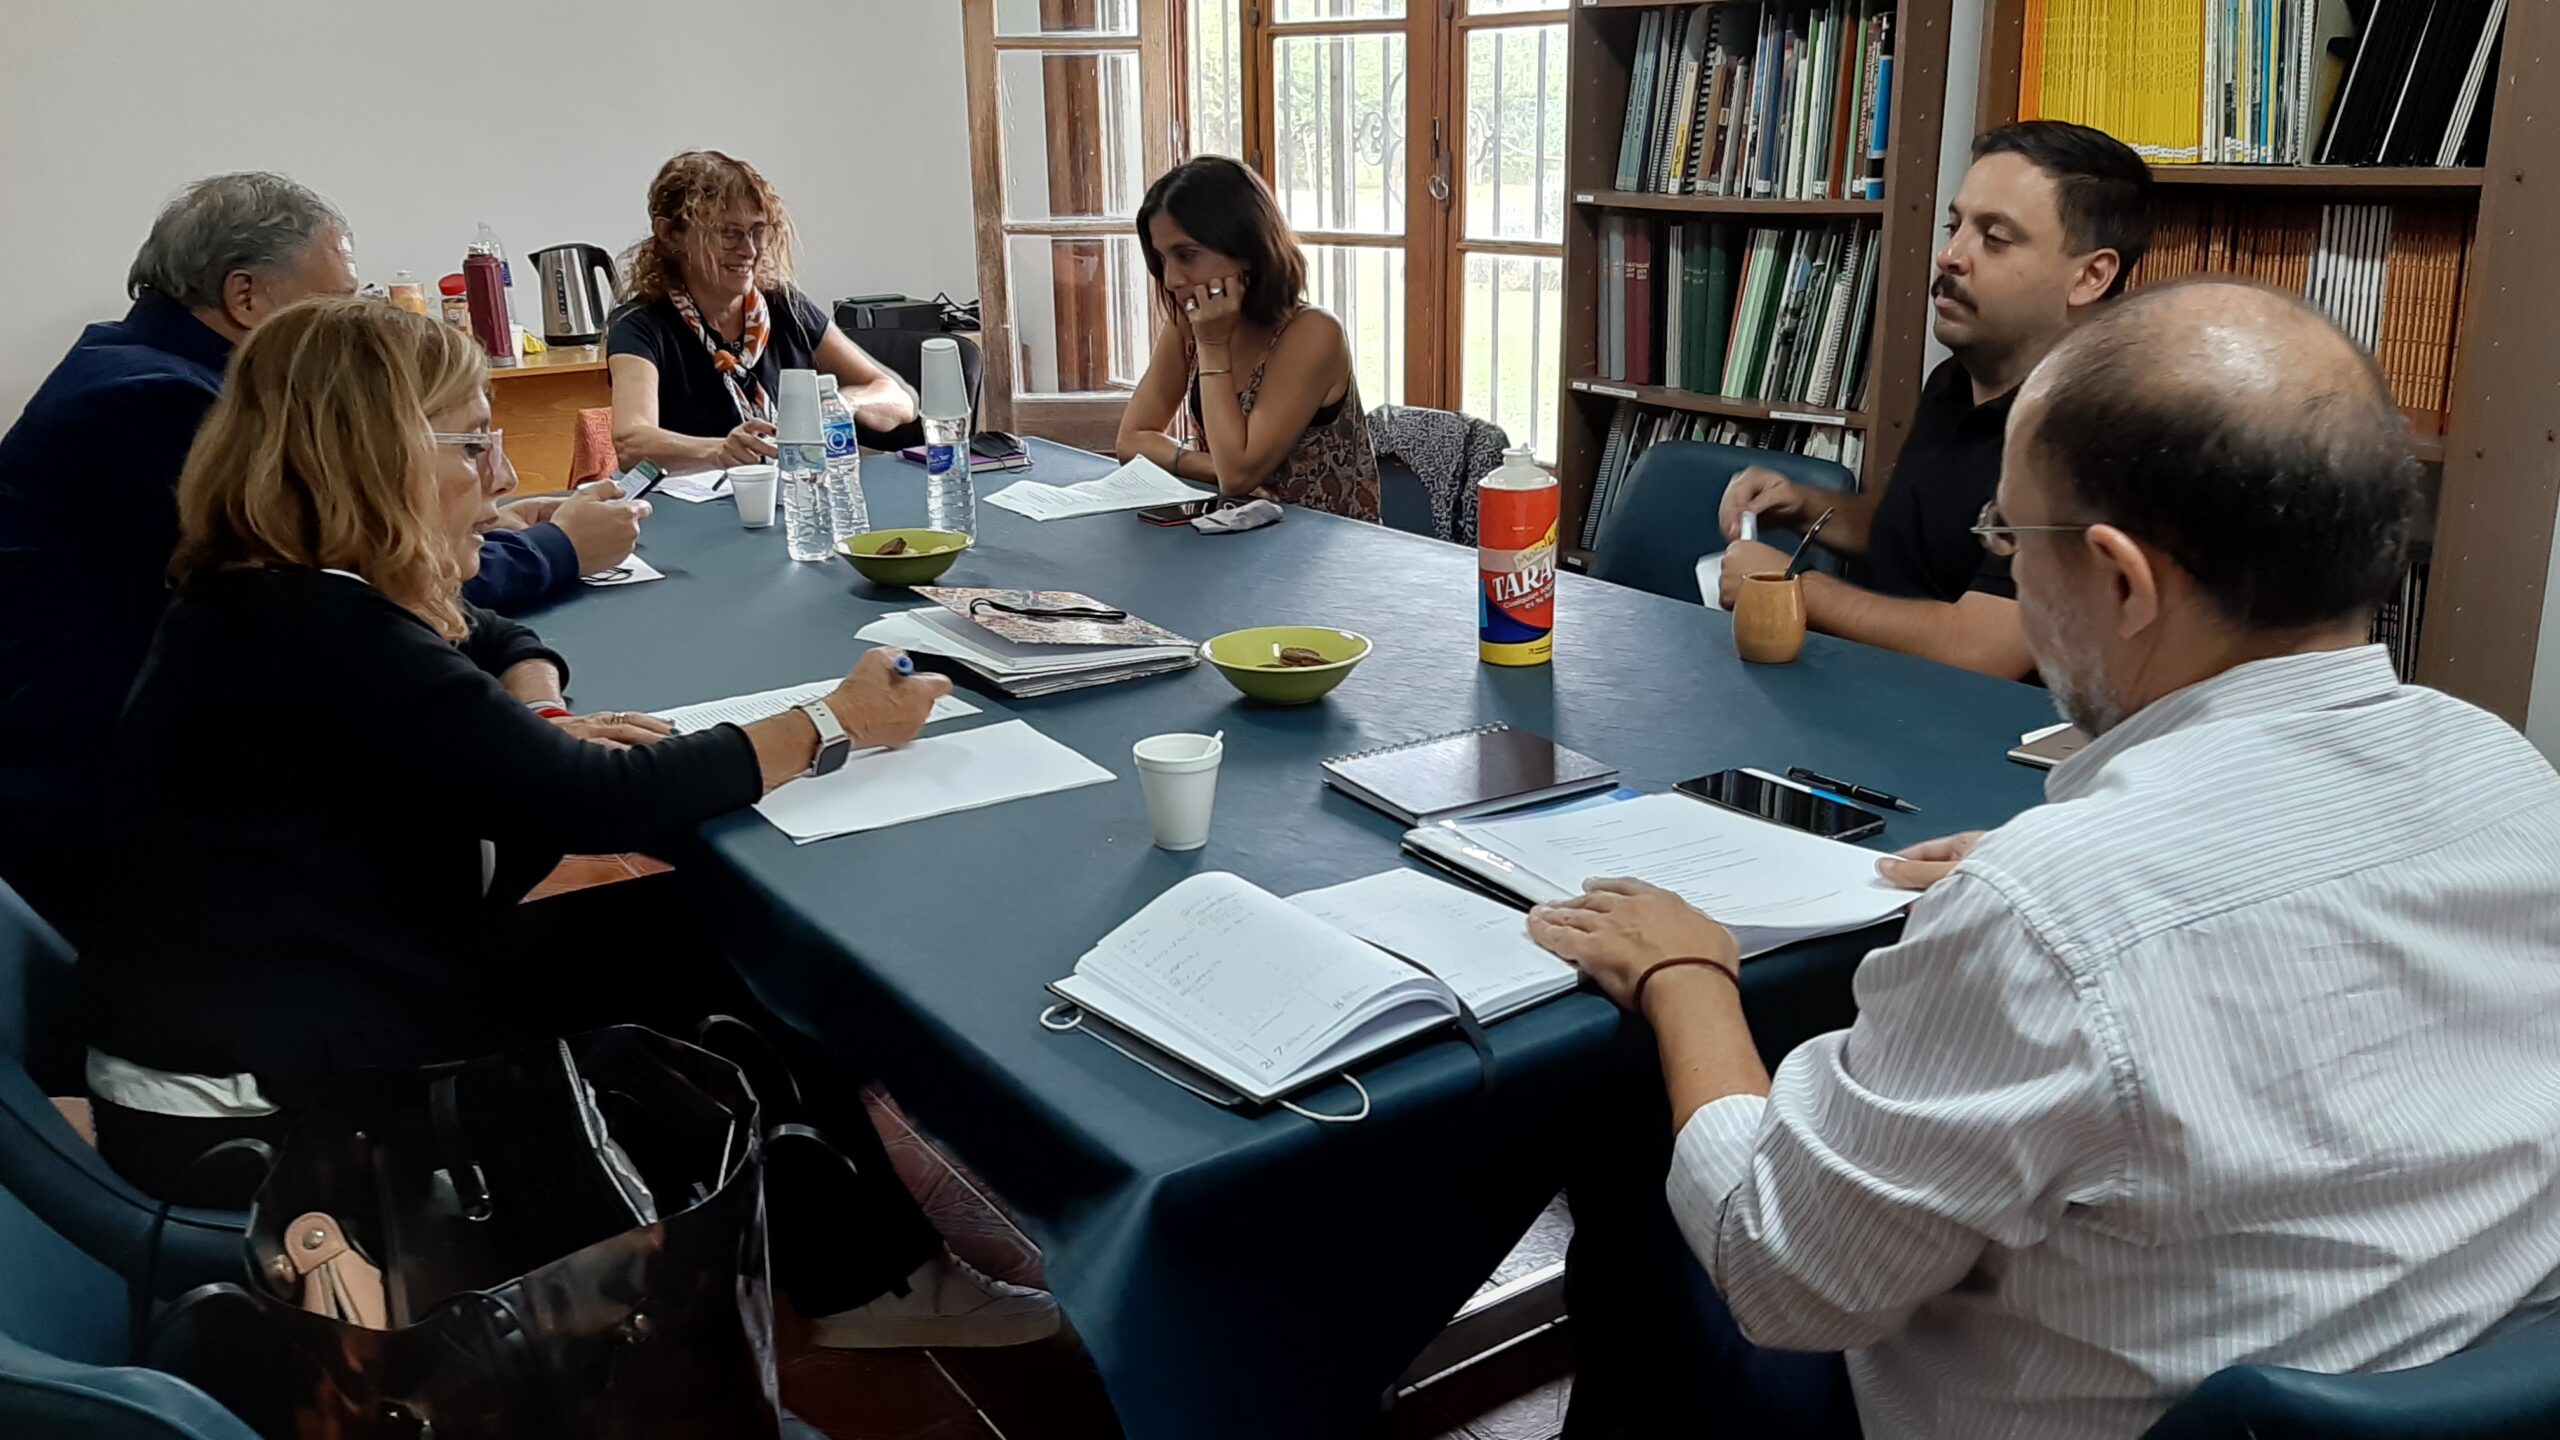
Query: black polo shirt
(691, 398)
(1922, 545)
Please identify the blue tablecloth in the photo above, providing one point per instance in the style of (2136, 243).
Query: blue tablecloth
(1241, 1275)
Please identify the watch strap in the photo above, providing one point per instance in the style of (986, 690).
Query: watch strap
(833, 743)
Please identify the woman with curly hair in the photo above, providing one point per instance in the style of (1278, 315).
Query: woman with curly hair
(710, 320)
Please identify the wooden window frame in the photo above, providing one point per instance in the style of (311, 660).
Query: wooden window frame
(1089, 418)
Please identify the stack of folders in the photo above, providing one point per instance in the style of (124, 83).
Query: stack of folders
(1023, 657)
(1773, 314)
(2390, 276)
(1777, 100)
(2283, 82)
(1243, 997)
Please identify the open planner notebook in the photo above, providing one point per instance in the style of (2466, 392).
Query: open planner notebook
(1267, 996)
(1768, 884)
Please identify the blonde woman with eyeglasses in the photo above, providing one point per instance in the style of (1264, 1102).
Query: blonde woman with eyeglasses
(710, 320)
(336, 781)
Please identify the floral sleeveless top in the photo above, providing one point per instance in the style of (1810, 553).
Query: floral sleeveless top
(1332, 467)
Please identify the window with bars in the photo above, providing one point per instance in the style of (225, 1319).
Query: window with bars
(1417, 148)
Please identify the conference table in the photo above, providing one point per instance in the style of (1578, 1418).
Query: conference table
(1240, 1274)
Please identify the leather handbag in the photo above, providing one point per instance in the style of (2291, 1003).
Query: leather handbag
(563, 1241)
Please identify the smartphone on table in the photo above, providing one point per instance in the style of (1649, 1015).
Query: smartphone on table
(1182, 514)
(1790, 803)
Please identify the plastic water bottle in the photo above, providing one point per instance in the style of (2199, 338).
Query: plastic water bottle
(847, 515)
(807, 526)
(950, 499)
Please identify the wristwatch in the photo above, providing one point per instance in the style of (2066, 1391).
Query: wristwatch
(833, 744)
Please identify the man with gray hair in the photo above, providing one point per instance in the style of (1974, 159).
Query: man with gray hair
(87, 473)
(2245, 1046)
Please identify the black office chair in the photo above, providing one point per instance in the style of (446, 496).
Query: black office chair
(43, 1161)
(1663, 517)
(902, 353)
(2505, 1388)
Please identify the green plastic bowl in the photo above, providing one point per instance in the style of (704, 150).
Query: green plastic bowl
(928, 554)
(1245, 657)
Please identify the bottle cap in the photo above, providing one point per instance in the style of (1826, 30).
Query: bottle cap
(946, 390)
(796, 416)
(827, 386)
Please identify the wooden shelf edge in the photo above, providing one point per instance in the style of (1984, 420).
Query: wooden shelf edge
(2428, 448)
(2342, 179)
(1722, 204)
(1696, 403)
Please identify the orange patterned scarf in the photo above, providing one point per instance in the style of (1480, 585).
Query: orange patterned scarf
(735, 362)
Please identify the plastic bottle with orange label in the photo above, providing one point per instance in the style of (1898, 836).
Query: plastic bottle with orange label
(1516, 513)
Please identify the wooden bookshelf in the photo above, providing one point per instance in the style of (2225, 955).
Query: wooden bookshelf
(1603, 53)
(2500, 453)
(1698, 403)
(2317, 181)
(1725, 204)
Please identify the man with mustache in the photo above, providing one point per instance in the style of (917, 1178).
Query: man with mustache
(2239, 1048)
(2050, 221)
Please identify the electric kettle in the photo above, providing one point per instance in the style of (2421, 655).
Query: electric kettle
(574, 298)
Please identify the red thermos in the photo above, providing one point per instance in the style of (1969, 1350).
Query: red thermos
(490, 323)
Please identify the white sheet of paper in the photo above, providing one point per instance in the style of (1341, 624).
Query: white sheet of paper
(696, 487)
(1139, 485)
(940, 775)
(1768, 884)
(764, 704)
(632, 571)
(1479, 945)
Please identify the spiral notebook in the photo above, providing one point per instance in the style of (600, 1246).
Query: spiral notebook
(1469, 772)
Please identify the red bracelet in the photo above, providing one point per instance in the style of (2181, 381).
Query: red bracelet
(1635, 1003)
(550, 712)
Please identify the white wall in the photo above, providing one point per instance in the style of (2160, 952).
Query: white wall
(1955, 138)
(855, 109)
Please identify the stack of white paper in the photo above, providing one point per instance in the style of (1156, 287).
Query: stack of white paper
(1768, 884)
(1139, 485)
(1017, 669)
(941, 775)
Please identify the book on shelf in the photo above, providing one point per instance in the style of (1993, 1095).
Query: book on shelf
(1777, 314)
(2389, 276)
(1786, 99)
(2268, 82)
(1635, 427)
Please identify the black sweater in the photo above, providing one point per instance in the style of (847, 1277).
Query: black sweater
(302, 781)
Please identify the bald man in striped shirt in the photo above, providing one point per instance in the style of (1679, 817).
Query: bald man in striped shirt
(2245, 1046)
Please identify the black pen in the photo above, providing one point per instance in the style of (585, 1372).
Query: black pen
(1854, 792)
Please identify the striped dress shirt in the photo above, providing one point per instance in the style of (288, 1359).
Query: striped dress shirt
(2245, 1046)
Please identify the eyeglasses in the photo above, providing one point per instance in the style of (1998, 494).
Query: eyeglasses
(2002, 540)
(738, 237)
(481, 447)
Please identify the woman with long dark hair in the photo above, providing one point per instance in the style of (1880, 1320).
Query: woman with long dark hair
(1250, 388)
